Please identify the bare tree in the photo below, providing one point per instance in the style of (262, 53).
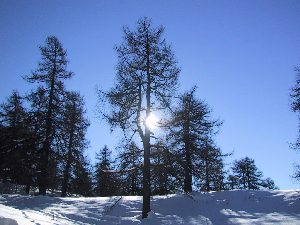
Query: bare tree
(147, 75)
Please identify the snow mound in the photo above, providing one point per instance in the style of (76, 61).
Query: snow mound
(225, 207)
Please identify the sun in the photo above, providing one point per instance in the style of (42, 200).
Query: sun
(151, 121)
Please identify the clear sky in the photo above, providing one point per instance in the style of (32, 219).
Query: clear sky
(240, 54)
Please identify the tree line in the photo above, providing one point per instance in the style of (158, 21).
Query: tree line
(43, 133)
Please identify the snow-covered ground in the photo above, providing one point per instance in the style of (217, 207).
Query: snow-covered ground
(226, 207)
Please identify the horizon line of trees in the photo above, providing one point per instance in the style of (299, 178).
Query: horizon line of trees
(123, 176)
(43, 133)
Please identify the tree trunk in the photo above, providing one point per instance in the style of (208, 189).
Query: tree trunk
(207, 180)
(207, 177)
(44, 160)
(187, 147)
(188, 170)
(146, 177)
(244, 180)
(27, 189)
(132, 192)
(66, 173)
(146, 142)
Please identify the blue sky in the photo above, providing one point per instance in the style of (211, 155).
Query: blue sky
(240, 54)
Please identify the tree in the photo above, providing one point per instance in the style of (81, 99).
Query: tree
(12, 121)
(269, 183)
(130, 169)
(36, 124)
(163, 169)
(51, 71)
(232, 182)
(81, 181)
(73, 132)
(17, 143)
(211, 169)
(295, 95)
(105, 174)
(248, 175)
(190, 128)
(146, 78)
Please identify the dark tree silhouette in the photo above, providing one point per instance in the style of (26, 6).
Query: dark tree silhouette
(269, 183)
(105, 174)
(130, 169)
(146, 78)
(190, 128)
(232, 182)
(163, 169)
(81, 181)
(17, 143)
(12, 117)
(211, 170)
(73, 132)
(248, 175)
(51, 71)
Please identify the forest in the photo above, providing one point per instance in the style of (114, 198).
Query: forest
(169, 137)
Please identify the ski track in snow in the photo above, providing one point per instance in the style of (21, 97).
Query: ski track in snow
(225, 207)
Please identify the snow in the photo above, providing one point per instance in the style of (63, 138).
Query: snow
(225, 207)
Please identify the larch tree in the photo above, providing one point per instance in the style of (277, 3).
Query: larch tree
(81, 180)
(163, 169)
(73, 134)
(37, 101)
(232, 182)
(17, 145)
(189, 129)
(130, 168)
(269, 183)
(105, 175)
(247, 173)
(12, 117)
(146, 78)
(211, 172)
(50, 73)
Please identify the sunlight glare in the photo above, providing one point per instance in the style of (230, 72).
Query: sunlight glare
(151, 121)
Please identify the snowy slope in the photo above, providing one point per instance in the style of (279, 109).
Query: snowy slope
(226, 207)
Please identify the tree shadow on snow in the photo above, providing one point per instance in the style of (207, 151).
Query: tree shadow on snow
(225, 207)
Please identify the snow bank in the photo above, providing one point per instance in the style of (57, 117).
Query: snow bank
(226, 207)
